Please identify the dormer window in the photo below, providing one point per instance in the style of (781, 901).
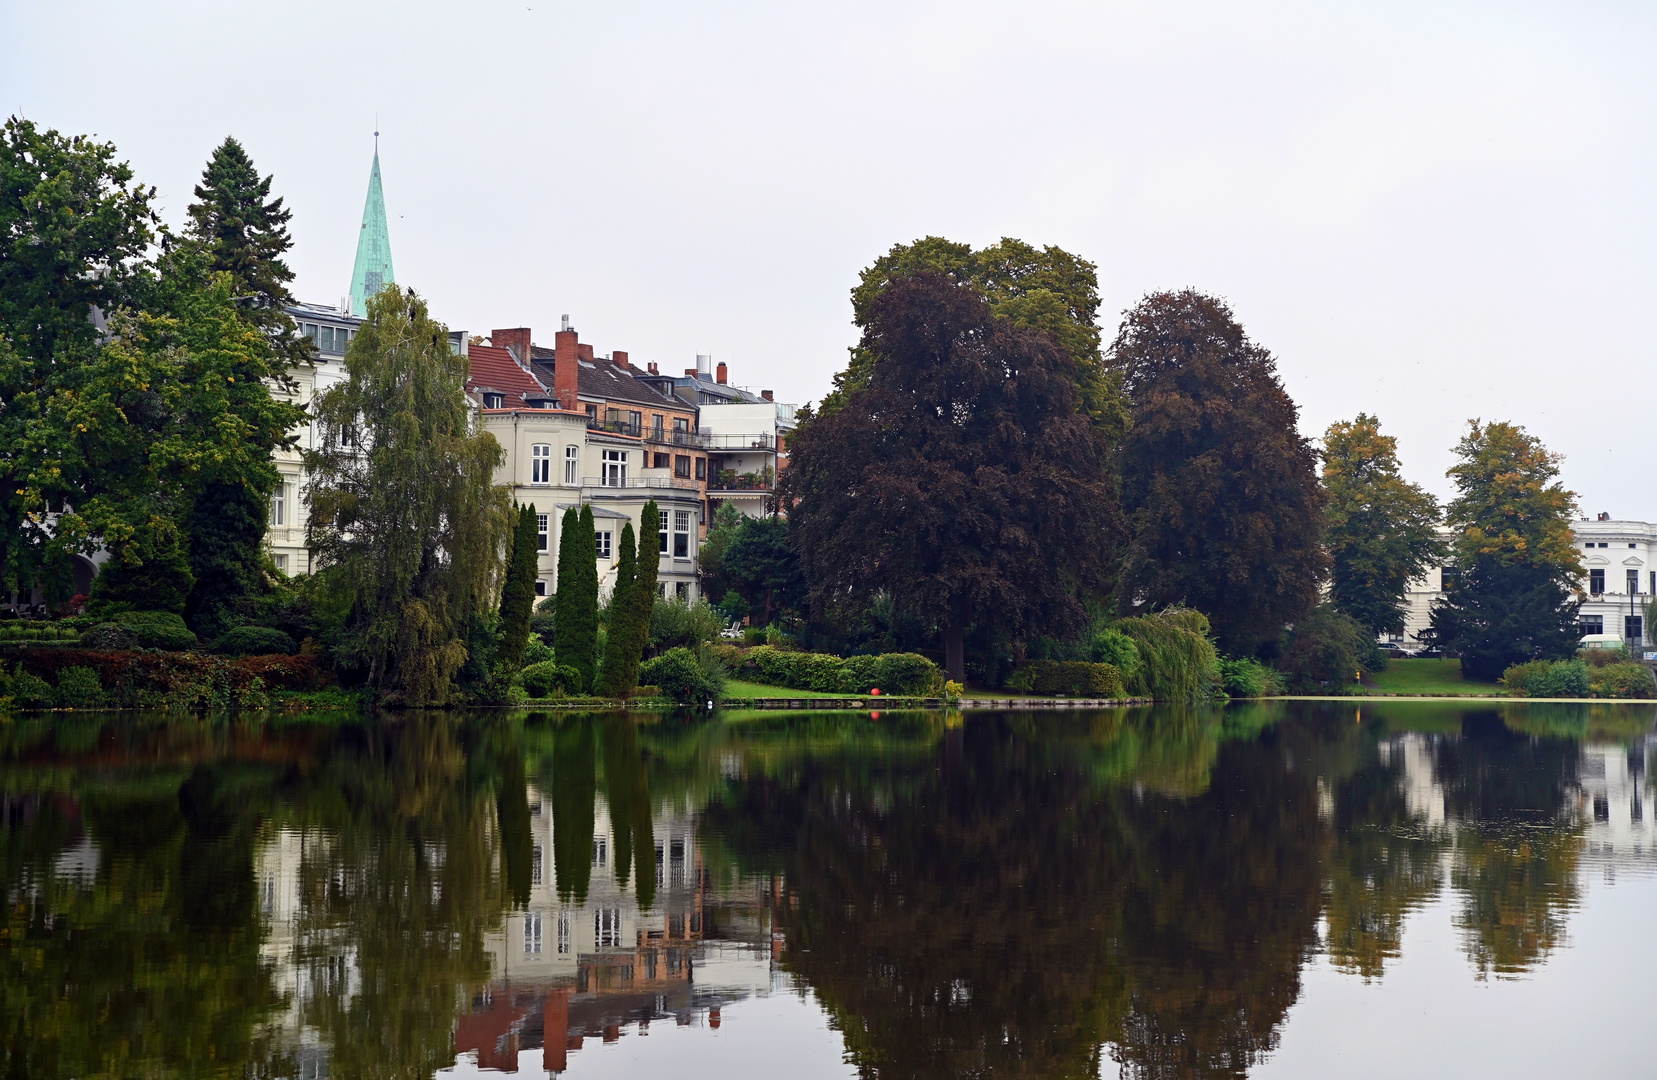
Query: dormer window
(494, 401)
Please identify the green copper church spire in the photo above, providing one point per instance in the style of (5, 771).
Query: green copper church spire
(373, 270)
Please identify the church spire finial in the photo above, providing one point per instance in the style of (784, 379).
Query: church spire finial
(372, 271)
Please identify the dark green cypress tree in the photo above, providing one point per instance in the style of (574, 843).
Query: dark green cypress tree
(518, 593)
(561, 612)
(614, 680)
(644, 579)
(575, 626)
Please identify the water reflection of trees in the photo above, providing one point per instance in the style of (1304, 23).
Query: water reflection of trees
(1017, 894)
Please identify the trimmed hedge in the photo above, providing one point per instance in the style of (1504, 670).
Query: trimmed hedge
(253, 641)
(31, 630)
(904, 674)
(1577, 679)
(1626, 680)
(1075, 678)
(148, 629)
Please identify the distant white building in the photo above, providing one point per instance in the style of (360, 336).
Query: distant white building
(1619, 561)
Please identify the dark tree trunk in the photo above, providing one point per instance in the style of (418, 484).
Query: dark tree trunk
(955, 652)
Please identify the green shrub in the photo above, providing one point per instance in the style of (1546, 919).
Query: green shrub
(163, 630)
(1598, 658)
(29, 630)
(685, 677)
(109, 637)
(32, 692)
(1629, 680)
(1112, 646)
(678, 622)
(1076, 678)
(537, 651)
(549, 678)
(253, 641)
(79, 688)
(1326, 650)
(907, 674)
(1563, 678)
(1249, 678)
(1518, 678)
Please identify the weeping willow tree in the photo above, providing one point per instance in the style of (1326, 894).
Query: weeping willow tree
(406, 523)
(1177, 657)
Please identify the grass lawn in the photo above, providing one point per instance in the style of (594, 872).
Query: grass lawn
(737, 689)
(1428, 677)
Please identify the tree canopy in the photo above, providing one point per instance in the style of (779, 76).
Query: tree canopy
(1381, 529)
(1221, 490)
(1047, 290)
(406, 521)
(963, 480)
(1515, 596)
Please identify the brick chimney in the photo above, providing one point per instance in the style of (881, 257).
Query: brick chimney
(515, 341)
(566, 373)
(690, 371)
(585, 352)
(719, 376)
(766, 394)
(651, 367)
(619, 358)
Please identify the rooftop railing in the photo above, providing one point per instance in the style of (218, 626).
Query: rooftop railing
(614, 427)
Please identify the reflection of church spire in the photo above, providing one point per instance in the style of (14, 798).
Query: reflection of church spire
(373, 269)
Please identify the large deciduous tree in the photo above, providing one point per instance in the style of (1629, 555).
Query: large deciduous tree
(1046, 289)
(964, 479)
(1381, 529)
(75, 232)
(763, 565)
(406, 521)
(1221, 490)
(1516, 596)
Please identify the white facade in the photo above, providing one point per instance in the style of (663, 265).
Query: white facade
(554, 461)
(748, 445)
(1619, 562)
(330, 330)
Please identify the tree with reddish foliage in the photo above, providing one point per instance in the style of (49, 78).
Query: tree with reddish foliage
(1220, 488)
(963, 479)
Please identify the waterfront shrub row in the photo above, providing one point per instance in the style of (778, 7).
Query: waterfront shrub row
(37, 678)
(1580, 678)
(1072, 678)
(907, 674)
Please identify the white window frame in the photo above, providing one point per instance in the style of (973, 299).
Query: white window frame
(279, 506)
(540, 464)
(543, 533)
(613, 469)
(532, 933)
(572, 462)
(681, 534)
(605, 546)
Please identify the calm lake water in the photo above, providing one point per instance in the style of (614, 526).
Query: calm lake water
(1278, 890)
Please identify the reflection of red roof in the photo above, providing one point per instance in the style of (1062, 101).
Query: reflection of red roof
(495, 371)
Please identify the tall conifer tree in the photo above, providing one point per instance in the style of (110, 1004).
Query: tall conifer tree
(575, 625)
(518, 592)
(243, 233)
(614, 679)
(645, 578)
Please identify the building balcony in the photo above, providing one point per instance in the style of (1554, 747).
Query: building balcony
(614, 427)
(620, 484)
(728, 481)
(707, 440)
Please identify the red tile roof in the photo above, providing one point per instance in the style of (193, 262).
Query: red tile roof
(495, 371)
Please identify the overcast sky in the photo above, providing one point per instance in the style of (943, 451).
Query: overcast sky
(1428, 211)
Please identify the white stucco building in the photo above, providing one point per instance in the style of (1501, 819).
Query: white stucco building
(1619, 563)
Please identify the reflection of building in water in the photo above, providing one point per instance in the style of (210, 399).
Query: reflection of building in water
(1615, 801)
(305, 960)
(569, 970)
(1412, 754)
